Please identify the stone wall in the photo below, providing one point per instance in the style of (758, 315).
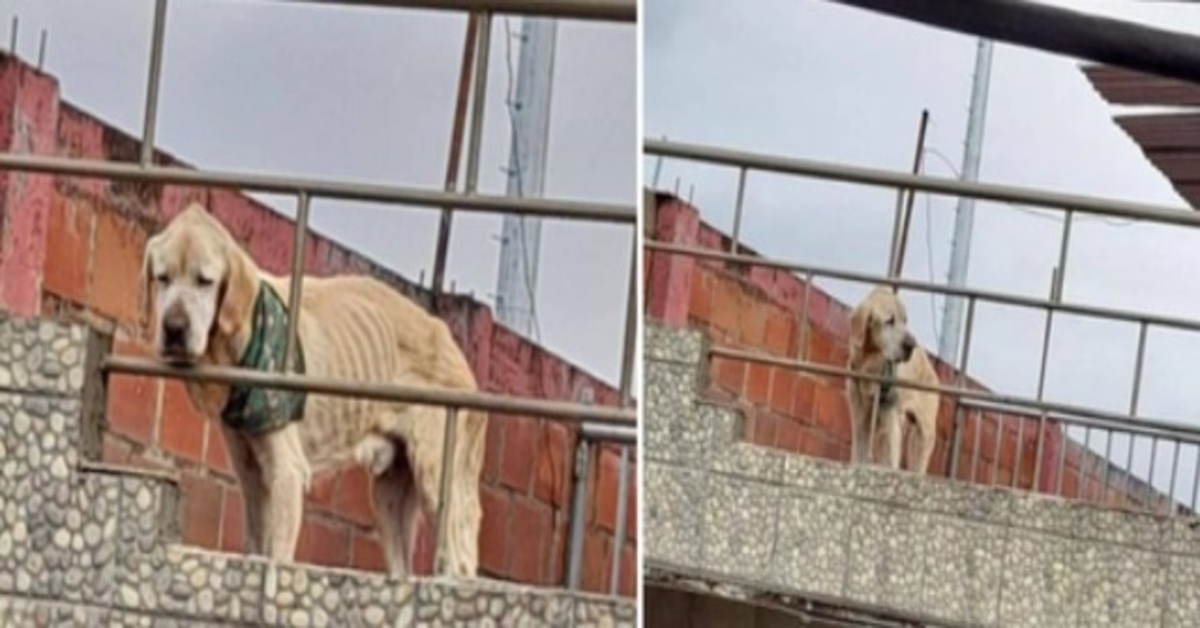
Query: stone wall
(83, 543)
(929, 549)
(766, 310)
(72, 248)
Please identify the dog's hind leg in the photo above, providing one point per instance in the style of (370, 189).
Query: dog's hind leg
(286, 476)
(395, 500)
(920, 446)
(893, 428)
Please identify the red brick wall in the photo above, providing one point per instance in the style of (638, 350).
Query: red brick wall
(762, 310)
(73, 247)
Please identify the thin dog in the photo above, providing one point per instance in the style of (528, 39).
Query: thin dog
(214, 306)
(882, 345)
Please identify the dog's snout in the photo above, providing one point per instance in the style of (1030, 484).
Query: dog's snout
(909, 344)
(175, 329)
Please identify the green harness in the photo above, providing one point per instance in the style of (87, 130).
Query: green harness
(887, 390)
(254, 410)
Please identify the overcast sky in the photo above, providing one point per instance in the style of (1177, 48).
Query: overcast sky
(808, 78)
(368, 95)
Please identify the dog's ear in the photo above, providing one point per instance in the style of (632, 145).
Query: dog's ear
(860, 333)
(148, 288)
(235, 295)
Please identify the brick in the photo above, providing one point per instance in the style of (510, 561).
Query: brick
(788, 435)
(700, 299)
(627, 582)
(820, 346)
(553, 377)
(758, 383)
(176, 198)
(779, 332)
(114, 450)
(597, 562)
(558, 551)
(202, 502)
(531, 533)
(116, 262)
(783, 389)
(323, 491)
(353, 500)
(493, 451)
(183, 429)
(832, 410)
(803, 399)
(493, 533)
(553, 476)
(726, 305)
(365, 553)
(765, 429)
(753, 324)
(730, 375)
(521, 440)
(631, 508)
(216, 456)
(233, 522)
(323, 543)
(604, 496)
(131, 400)
(68, 245)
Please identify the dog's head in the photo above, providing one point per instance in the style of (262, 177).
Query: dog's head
(203, 285)
(880, 325)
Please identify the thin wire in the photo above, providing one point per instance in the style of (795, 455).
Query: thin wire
(516, 156)
(1044, 215)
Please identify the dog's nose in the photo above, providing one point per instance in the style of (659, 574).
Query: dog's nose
(910, 343)
(175, 330)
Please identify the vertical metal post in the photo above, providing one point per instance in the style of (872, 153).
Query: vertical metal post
(622, 509)
(1047, 328)
(737, 211)
(12, 35)
(903, 216)
(630, 342)
(42, 51)
(452, 161)
(296, 280)
(444, 491)
(474, 141)
(804, 322)
(1081, 490)
(1174, 473)
(960, 418)
(964, 220)
(153, 78)
(583, 462)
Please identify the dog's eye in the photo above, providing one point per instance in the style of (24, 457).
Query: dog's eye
(891, 321)
(203, 281)
(162, 279)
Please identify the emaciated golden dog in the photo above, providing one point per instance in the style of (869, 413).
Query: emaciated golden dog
(214, 306)
(882, 345)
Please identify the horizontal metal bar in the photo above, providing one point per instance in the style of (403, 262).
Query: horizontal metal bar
(887, 178)
(1132, 425)
(925, 286)
(603, 10)
(958, 393)
(382, 392)
(599, 432)
(1039, 26)
(320, 188)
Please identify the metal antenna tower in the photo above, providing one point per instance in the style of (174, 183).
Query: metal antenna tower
(964, 218)
(521, 236)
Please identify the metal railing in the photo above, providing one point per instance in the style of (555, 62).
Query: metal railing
(964, 396)
(608, 424)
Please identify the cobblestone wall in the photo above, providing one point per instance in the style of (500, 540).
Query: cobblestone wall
(725, 510)
(82, 544)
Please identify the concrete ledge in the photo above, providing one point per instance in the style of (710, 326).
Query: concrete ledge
(90, 545)
(955, 552)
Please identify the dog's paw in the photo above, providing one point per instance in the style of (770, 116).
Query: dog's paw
(376, 454)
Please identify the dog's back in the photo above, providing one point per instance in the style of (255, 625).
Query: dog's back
(356, 328)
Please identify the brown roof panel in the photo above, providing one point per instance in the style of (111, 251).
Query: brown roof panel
(1126, 87)
(1176, 131)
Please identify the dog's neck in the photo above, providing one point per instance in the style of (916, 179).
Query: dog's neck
(874, 363)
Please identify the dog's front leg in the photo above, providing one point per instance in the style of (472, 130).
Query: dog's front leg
(249, 476)
(285, 477)
(894, 434)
